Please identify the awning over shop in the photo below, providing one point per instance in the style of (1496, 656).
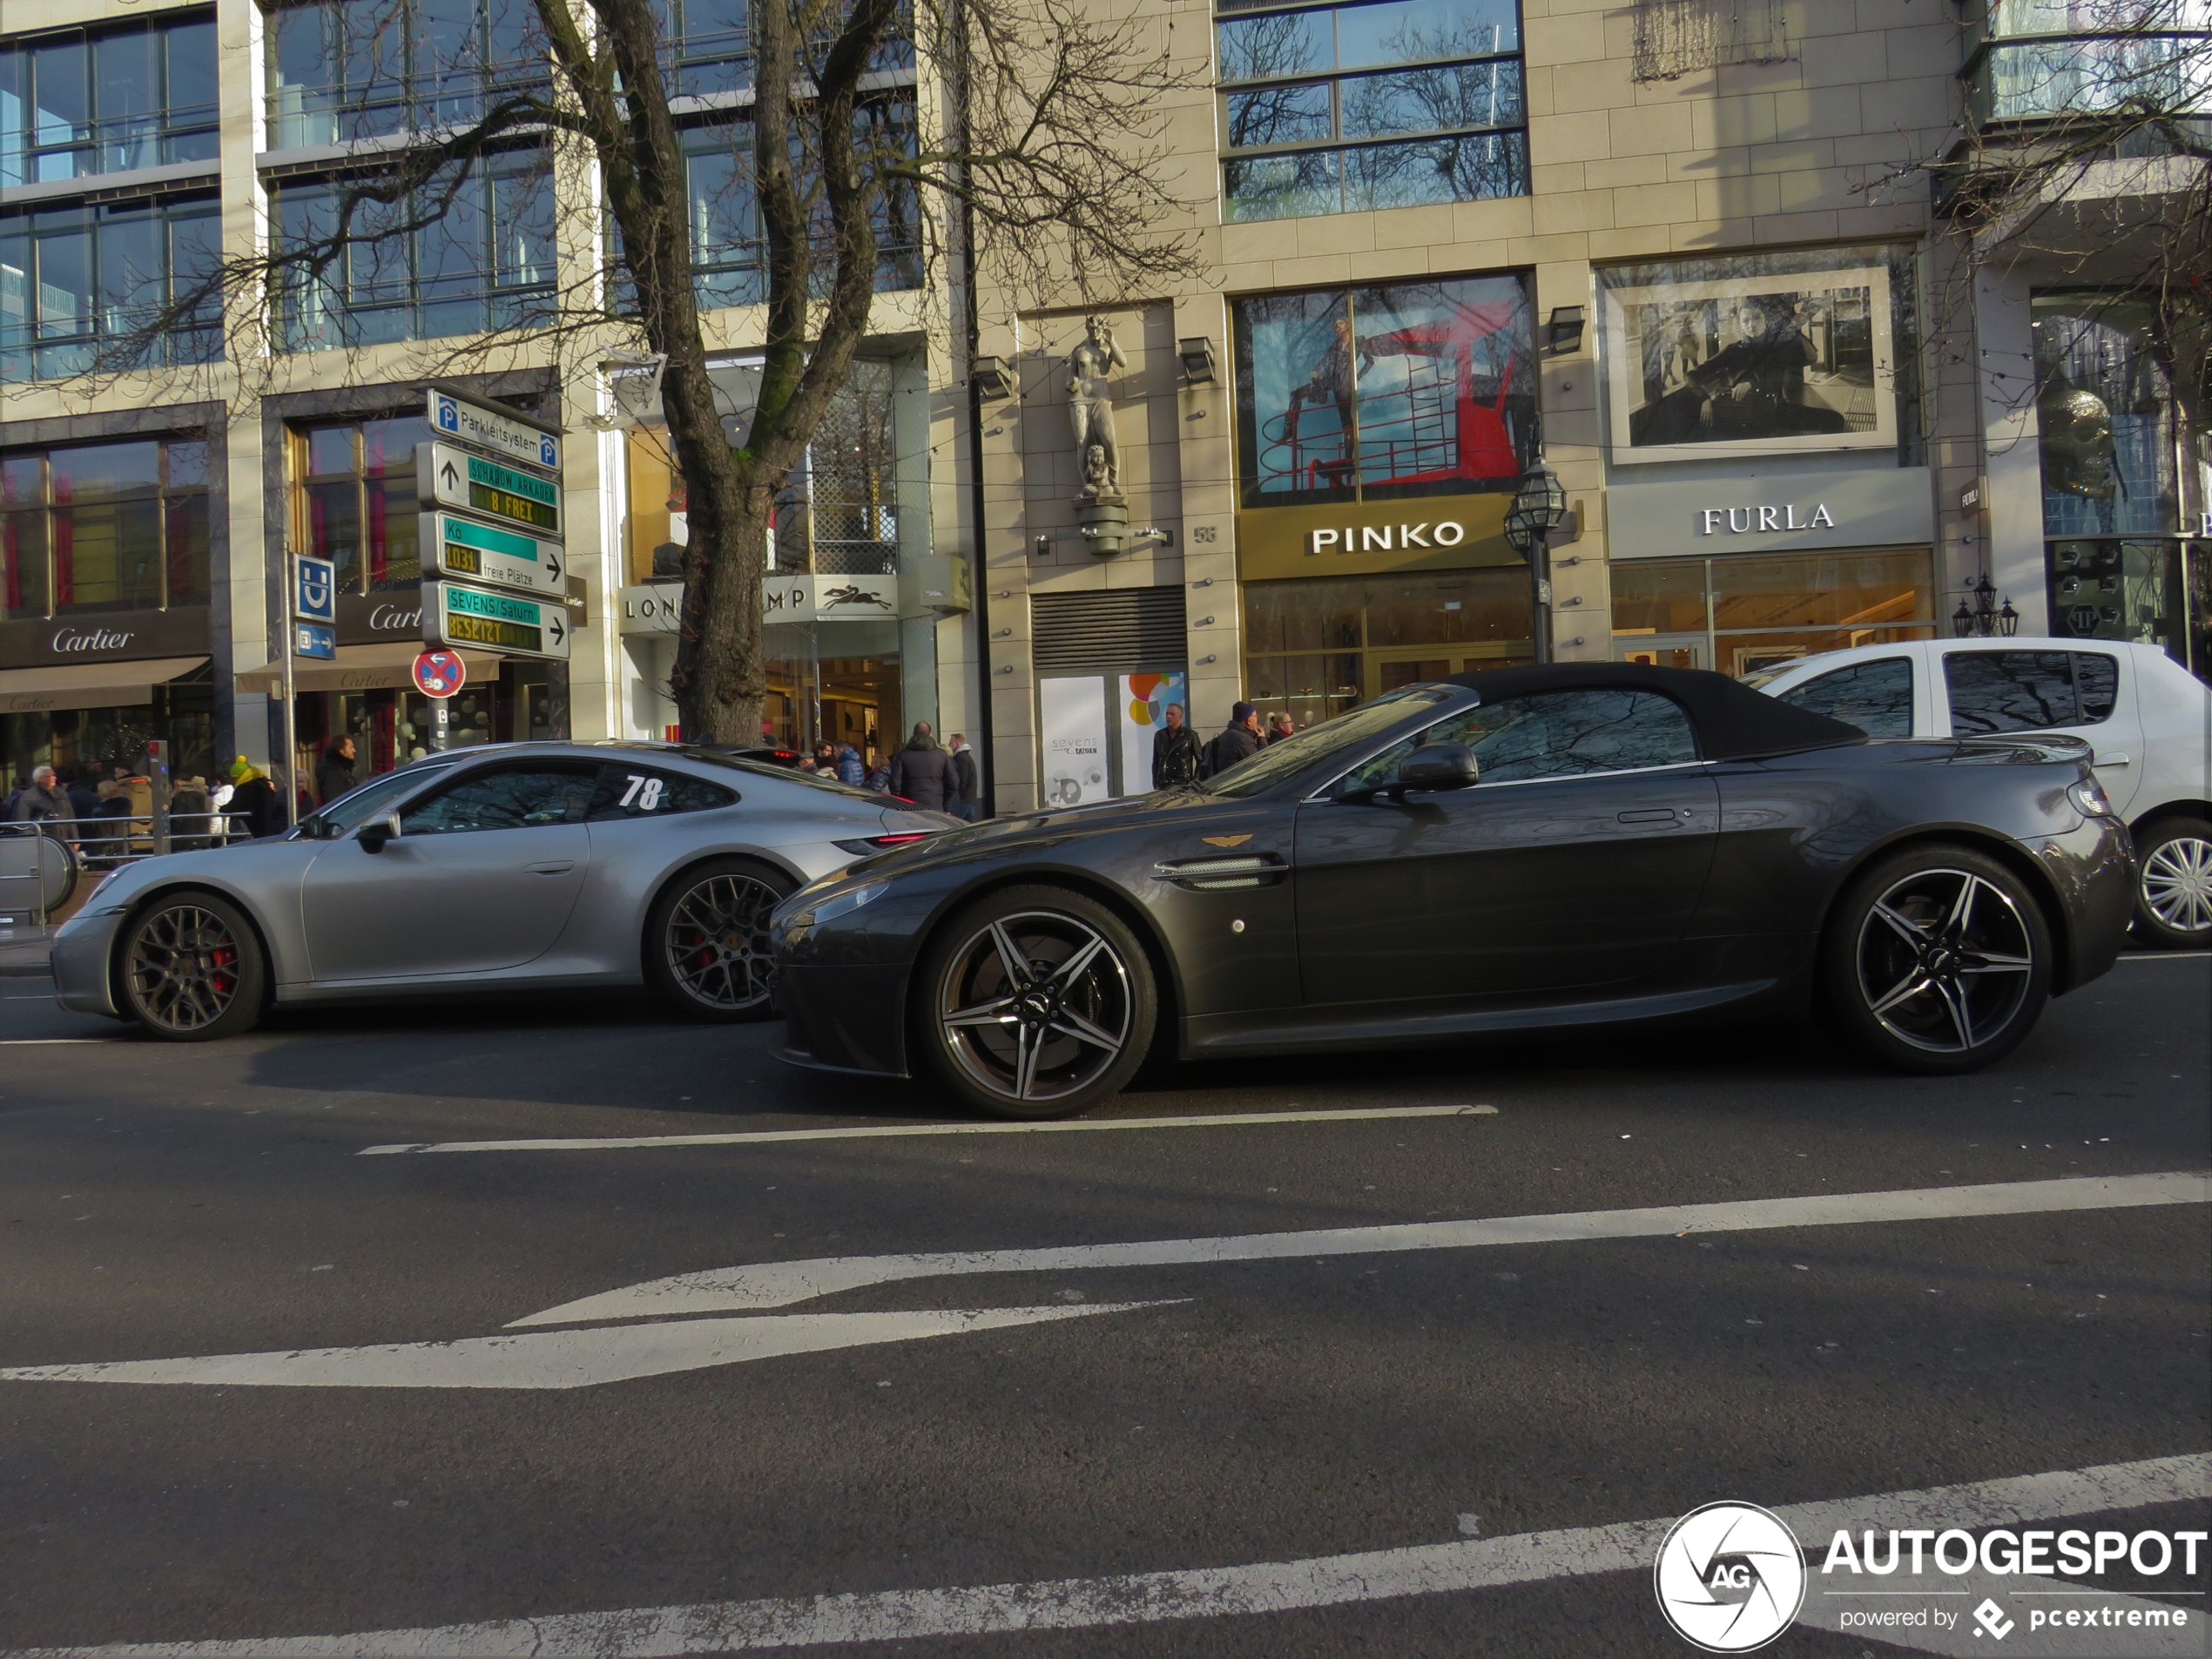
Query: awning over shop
(88, 685)
(361, 668)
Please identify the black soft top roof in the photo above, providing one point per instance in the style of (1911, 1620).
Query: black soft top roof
(1733, 721)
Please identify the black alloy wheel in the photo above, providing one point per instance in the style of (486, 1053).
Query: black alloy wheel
(2174, 884)
(1037, 1002)
(1939, 961)
(707, 945)
(192, 970)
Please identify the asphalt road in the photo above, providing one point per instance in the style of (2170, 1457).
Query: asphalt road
(1073, 1418)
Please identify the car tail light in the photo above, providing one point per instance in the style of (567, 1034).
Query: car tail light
(868, 846)
(2089, 798)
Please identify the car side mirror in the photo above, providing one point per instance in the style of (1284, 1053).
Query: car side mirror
(373, 834)
(1438, 765)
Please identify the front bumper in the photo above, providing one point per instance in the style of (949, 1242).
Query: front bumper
(851, 1017)
(81, 954)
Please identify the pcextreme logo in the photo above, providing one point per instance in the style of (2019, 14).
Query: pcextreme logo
(1731, 1577)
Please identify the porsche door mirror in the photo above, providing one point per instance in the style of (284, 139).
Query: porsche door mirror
(377, 831)
(1438, 765)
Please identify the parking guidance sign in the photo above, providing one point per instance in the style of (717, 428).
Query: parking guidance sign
(456, 615)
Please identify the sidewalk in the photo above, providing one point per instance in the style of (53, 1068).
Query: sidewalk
(23, 951)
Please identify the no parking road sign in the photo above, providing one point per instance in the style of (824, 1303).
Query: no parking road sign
(440, 673)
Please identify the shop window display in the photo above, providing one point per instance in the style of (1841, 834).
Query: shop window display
(1379, 393)
(1757, 354)
(2107, 417)
(1747, 614)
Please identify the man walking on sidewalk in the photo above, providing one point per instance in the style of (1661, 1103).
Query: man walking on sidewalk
(1175, 759)
(1239, 740)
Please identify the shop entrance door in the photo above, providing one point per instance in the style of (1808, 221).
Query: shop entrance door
(1389, 668)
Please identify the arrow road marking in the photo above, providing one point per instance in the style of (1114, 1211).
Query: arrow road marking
(581, 1359)
(778, 1283)
(1218, 1591)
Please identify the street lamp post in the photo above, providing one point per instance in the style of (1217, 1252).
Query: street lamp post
(1539, 508)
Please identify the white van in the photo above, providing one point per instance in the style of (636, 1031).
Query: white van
(2147, 719)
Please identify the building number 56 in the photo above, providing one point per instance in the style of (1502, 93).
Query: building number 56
(643, 792)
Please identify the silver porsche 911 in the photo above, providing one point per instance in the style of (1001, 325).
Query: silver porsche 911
(523, 866)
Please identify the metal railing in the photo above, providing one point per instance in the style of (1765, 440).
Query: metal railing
(34, 882)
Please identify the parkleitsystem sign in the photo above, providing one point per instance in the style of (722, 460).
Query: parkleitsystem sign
(492, 520)
(483, 619)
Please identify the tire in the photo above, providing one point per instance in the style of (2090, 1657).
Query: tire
(2174, 884)
(1936, 960)
(707, 950)
(190, 970)
(1004, 1026)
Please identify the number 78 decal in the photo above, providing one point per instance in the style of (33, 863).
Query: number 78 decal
(645, 793)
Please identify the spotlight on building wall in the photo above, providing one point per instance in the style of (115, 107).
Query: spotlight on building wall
(1198, 359)
(634, 379)
(992, 377)
(1565, 332)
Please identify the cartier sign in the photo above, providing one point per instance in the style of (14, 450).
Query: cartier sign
(368, 619)
(115, 636)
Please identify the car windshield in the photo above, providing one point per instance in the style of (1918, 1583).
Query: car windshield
(357, 806)
(1317, 744)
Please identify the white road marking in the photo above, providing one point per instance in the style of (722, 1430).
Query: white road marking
(778, 1283)
(35, 1042)
(756, 1137)
(1201, 1593)
(2165, 957)
(559, 1359)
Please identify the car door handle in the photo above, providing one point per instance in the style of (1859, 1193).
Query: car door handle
(2113, 760)
(1654, 815)
(560, 868)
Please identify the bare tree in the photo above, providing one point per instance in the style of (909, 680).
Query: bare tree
(2088, 160)
(1045, 171)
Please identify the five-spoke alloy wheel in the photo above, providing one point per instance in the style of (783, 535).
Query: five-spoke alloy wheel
(1037, 1002)
(190, 969)
(1940, 959)
(707, 945)
(2174, 884)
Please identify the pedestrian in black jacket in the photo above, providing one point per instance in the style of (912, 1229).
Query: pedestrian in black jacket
(966, 806)
(923, 772)
(1175, 757)
(335, 772)
(1239, 740)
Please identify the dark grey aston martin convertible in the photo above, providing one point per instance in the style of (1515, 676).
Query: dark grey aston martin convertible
(1530, 848)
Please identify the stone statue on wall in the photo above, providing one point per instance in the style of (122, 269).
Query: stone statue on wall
(1090, 405)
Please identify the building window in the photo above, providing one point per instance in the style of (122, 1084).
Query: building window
(1313, 648)
(343, 69)
(1425, 389)
(1396, 103)
(729, 252)
(353, 501)
(2043, 59)
(109, 285)
(1750, 612)
(81, 103)
(103, 527)
(481, 260)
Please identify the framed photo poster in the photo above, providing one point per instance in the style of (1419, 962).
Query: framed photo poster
(1751, 366)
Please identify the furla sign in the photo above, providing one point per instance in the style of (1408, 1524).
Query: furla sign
(1802, 509)
(1763, 520)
